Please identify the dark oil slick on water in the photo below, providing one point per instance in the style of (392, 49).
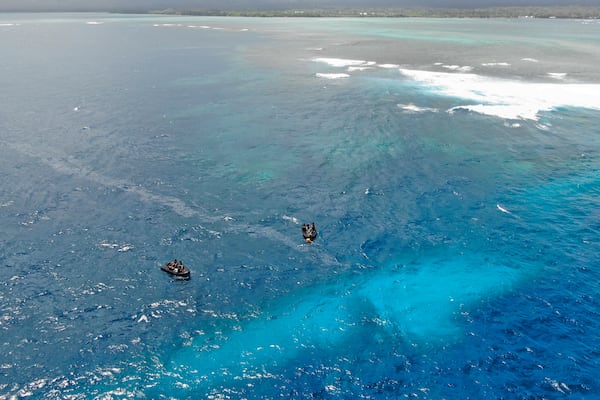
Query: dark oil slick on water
(451, 166)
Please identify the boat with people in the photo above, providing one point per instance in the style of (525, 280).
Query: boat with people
(177, 269)
(309, 231)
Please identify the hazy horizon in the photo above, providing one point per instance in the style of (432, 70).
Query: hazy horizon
(145, 5)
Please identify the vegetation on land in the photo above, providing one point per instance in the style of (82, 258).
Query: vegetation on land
(493, 12)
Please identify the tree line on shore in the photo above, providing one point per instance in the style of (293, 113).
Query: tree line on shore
(572, 12)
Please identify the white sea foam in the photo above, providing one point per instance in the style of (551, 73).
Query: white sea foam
(506, 98)
(502, 111)
(332, 76)
(292, 219)
(350, 65)
(557, 75)
(459, 68)
(496, 64)
(340, 62)
(207, 27)
(352, 69)
(108, 245)
(412, 108)
(94, 23)
(504, 210)
(528, 59)
(143, 318)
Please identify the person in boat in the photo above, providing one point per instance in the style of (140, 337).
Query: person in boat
(173, 265)
(309, 231)
(177, 268)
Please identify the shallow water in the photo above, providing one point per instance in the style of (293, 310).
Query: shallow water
(454, 184)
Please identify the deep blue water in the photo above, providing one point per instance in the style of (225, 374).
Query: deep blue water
(452, 168)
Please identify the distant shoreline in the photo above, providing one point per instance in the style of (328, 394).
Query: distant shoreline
(569, 12)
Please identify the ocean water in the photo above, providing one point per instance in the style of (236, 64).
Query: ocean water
(452, 168)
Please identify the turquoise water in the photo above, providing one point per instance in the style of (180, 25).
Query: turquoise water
(451, 168)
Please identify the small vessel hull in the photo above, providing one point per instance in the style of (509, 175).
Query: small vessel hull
(183, 273)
